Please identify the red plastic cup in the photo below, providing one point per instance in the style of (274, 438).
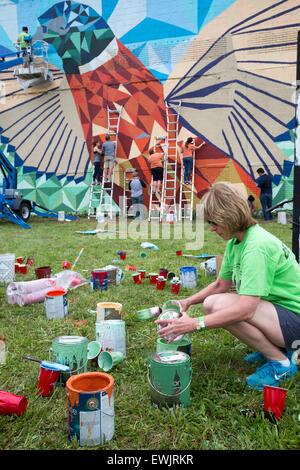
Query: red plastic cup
(175, 288)
(178, 253)
(122, 255)
(163, 272)
(274, 400)
(20, 259)
(12, 404)
(160, 283)
(47, 378)
(23, 268)
(137, 278)
(142, 273)
(17, 267)
(153, 278)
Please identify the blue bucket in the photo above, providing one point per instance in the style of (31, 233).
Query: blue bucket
(188, 276)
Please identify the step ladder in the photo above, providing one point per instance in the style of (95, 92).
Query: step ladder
(105, 205)
(127, 193)
(154, 211)
(186, 194)
(168, 201)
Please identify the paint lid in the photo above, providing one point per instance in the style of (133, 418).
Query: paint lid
(170, 357)
(70, 339)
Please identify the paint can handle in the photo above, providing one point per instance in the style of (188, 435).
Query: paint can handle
(164, 394)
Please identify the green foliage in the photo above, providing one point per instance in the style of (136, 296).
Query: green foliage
(218, 392)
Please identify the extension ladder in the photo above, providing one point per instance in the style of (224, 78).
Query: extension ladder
(186, 194)
(127, 192)
(107, 187)
(168, 200)
(154, 211)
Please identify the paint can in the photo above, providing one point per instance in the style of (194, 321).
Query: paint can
(183, 345)
(70, 351)
(61, 216)
(42, 272)
(111, 335)
(108, 311)
(169, 314)
(169, 376)
(99, 279)
(90, 405)
(172, 305)
(56, 302)
(188, 276)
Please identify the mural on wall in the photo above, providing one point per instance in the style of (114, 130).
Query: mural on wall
(232, 64)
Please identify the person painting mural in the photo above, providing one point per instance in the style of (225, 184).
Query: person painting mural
(97, 163)
(109, 153)
(187, 150)
(264, 314)
(23, 41)
(264, 183)
(157, 171)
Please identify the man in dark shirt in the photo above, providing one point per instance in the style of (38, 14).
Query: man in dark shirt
(264, 183)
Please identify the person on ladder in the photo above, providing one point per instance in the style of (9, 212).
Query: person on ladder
(24, 43)
(109, 153)
(157, 171)
(187, 150)
(97, 163)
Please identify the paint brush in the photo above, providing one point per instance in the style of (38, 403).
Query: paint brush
(75, 262)
(32, 359)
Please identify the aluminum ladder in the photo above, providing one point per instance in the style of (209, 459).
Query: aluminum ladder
(186, 194)
(126, 192)
(107, 188)
(168, 200)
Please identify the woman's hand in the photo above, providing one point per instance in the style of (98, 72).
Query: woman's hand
(184, 304)
(177, 326)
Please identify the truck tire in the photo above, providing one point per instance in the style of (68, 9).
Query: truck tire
(24, 211)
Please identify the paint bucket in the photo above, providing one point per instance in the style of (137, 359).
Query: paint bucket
(90, 404)
(137, 278)
(163, 272)
(70, 351)
(56, 302)
(160, 283)
(188, 276)
(153, 278)
(172, 305)
(42, 272)
(169, 314)
(169, 376)
(49, 375)
(60, 216)
(11, 404)
(108, 360)
(274, 400)
(111, 335)
(99, 279)
(108, 311)
(183, 345)
(142, 273)
(147, 313)
(7, 267)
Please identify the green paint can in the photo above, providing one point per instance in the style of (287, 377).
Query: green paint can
(71, 351)
(169, 376)
(183, 345)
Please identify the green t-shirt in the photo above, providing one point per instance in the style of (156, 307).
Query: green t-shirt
(261, 265)
(21, 36)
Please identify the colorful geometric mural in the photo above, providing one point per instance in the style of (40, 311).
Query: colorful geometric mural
(232, 63)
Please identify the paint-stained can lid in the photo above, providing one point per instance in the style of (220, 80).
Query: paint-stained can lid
(170, 357)
(70, 339)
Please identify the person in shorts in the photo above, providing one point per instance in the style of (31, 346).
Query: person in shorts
(157, 171)
(264, 313)
(109, 154)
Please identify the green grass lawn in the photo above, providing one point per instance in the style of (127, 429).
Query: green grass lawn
(218, 392)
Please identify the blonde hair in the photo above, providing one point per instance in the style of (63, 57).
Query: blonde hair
(224, 205)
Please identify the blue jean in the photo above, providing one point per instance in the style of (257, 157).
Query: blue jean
(188, 165)
(266, 203)
(138, 206)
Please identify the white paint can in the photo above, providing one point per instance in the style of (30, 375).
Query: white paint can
(56, 302)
